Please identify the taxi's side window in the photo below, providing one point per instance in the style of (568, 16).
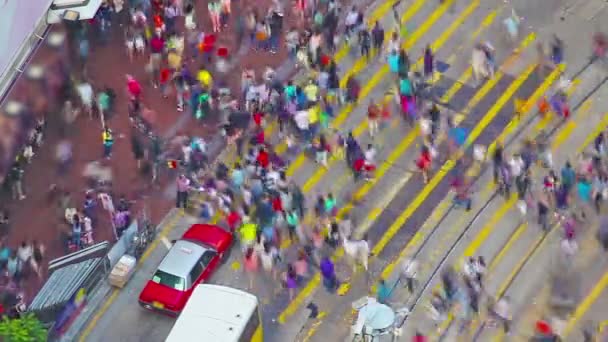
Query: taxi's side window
(206, 258)
(196, 272)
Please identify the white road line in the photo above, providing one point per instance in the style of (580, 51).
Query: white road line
(166, 242)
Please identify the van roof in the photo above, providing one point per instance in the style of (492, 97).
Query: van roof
(214, 313)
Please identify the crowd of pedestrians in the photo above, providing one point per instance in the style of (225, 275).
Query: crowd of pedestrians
(565, 198)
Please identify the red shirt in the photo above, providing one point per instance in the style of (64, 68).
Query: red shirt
(208, 43)
(232, 219)
(257, 118)
(419, 338)
(424, 161)
(359, 164)
(134, 88)
(259, 137)
(157, 44)
(263, 159)
(276, 204)
(165, 75)
(325, 60)
(158, 21)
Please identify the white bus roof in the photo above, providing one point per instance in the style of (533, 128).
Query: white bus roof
(213, 313)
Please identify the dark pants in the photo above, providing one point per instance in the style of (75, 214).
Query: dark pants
(463, 202)
(107, 150)
(365, 50)
(409, 283)
(182, 199)
(274, 42)
(331, 284)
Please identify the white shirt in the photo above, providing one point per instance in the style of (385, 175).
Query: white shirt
(370, 155)
(517, 165)
(351, 18)
(25, 253)
(187, 152)
(86, 94)
(569, 247)
(393, 46)
(302, 119)
(267, 259)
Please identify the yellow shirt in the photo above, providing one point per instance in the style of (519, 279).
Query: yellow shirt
(313, 114)
(312, 92)
(248, 232)
(174, 60)
(204, 77)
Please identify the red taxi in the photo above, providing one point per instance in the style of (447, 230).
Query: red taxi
(190, 261)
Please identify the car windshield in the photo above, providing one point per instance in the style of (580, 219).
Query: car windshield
(169, 280)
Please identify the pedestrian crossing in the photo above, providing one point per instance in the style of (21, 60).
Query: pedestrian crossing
(398, 211)
(522, 240)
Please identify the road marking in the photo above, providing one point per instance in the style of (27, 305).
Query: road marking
(396, 153)
(503, 251)
(514, 122)
(585, 305)
(314, 326)
(114, 294)
(418, 237)
(166, 242)
(424, 27)
(376, 15)
(449, 165)
(379, 76)
(320, 172)
(315, 281)
(235, 265)
(357, 67)
(540, 239)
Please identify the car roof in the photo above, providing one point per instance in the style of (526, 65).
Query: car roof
(181, 258)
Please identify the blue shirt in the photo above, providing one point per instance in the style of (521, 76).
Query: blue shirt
(405, 87)
(393, 63)
(383, 293)
(584, 191)
(327, 268)
(238, 178)
(568, 176)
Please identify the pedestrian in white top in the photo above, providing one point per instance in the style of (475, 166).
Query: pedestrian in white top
(516, 163)
(268, 255)
(85, 91)
(502, 312)
(302, 119)
(25, 252)
(409, 270)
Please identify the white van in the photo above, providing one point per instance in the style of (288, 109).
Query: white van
(85, 9)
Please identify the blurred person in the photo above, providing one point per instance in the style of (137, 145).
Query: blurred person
(383, 292)
(290, 280)
(183, 186)
(330, 281)
(107, 138)
(373, 116)
(63, 155)
(409, 271)
(501, 313)
(251, 265)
